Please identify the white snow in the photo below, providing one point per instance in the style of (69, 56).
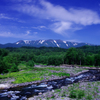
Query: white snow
(41, 41)
(56, 43)
(64, 41)
(75, 44)
(67, 45)
(17, 43)
(27, 41)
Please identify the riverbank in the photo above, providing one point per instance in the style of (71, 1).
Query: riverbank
(53, 73)
(76, 91)
(38, 74)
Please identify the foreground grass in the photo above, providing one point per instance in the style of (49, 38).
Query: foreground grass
(35, 74)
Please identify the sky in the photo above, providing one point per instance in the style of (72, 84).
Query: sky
(68, 20)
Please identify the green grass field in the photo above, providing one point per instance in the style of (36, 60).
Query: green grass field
(35, 74)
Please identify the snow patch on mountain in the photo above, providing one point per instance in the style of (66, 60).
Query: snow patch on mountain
(64, 42)
(17, 42)
(41, 41)
(56, 43)
(75, 44)
(48, 43)
(67, 45)
(27, 41)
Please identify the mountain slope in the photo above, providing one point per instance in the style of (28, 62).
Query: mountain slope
(46, 43)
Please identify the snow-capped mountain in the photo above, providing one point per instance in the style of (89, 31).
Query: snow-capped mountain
(46, 43)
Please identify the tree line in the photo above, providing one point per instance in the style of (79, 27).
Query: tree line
(10, 58)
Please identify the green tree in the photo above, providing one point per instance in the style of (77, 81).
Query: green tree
(97, 59)
(55, 60)
(71, 56)
(30, 64)
(14, 68)
(89, 60)
(80, 57)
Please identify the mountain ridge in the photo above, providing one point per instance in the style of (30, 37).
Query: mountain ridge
(47, 43)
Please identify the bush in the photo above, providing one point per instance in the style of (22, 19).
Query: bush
(30, 63)
(14, 68)
(77, 93)
(22, 66)
(89, 97)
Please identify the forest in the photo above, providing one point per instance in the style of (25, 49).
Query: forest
(11, 58)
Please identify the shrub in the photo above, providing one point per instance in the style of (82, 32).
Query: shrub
(77, 93)
(30, 63)
(14, 68)
(22, 66)
(89, 97)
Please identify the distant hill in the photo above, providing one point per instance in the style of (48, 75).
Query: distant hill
(45, 43)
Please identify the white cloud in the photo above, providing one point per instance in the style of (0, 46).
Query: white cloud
(40, 27)
(60, 27)
(35, 32)
(24, 1)
(21, 35)
(28, 32)
(65, 19)
(3, 16)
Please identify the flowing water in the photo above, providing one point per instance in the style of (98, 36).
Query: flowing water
(22, 93)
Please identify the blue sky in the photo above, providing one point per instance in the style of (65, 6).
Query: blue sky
(70, 20)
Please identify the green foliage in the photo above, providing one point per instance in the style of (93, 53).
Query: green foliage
(10, 63)
(97, 59)
(2, 67)
(89, 60)
(59, 74)
(71, 55)
(86, 55)
(3, 52)
(14, 68)
(76, 93)
(89, 97)
(55, 60)
(34, 74)
(22, 66)
(30, 63)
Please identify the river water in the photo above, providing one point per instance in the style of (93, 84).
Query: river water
(22, 93)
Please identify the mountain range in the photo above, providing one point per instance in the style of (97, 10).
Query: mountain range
(46, 43)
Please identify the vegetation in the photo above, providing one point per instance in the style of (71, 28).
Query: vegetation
(35, 74)
(12, 58)
(76, 91)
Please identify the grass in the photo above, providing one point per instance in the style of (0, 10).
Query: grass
(35, 74)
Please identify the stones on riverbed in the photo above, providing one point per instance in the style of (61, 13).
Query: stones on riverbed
(23, 98)
(40, 93)
(69, 80)
(50, 87)
(91, 75)
(15, 98)
(9, 95)
(42, 86)
(3, 86)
